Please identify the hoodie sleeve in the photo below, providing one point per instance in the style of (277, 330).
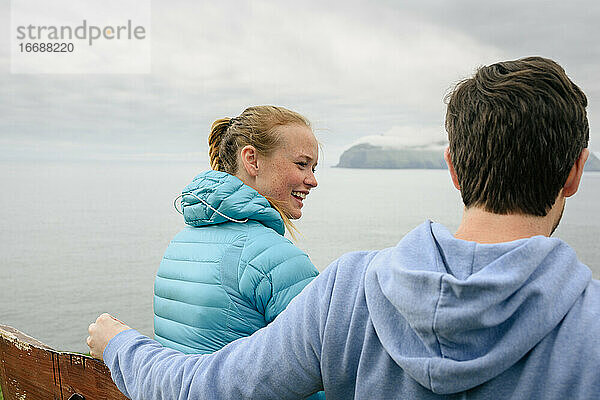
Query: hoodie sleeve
(281, 361)
(275, 272)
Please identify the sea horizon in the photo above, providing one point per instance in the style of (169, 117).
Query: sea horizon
(82, 238)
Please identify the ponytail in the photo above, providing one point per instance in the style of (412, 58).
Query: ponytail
(217, 131)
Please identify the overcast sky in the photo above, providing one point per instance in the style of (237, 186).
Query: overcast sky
(354, 68)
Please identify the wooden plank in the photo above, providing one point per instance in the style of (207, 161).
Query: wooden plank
(28, 367)
(87, 376)
(32, 370)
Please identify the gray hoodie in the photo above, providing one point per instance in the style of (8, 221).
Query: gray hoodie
(434, 317)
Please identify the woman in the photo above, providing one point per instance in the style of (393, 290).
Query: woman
(231, 271)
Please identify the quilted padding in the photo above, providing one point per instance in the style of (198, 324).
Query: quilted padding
(221, 280)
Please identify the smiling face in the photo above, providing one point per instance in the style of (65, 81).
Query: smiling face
(287, 174)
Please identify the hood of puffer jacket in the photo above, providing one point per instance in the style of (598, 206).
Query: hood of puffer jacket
(454, 314)
(230, 197)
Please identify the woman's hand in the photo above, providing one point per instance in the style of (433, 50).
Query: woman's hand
(101, 332)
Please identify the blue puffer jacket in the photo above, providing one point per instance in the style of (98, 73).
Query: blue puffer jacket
(221, 280)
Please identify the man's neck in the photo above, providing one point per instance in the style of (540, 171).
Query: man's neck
(482, 226)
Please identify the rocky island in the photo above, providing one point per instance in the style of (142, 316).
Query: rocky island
(365, 155)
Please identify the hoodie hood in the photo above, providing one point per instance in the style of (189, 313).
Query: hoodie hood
(231, 197)
(454, 314)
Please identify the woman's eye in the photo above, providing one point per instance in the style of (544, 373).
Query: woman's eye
(302, 164)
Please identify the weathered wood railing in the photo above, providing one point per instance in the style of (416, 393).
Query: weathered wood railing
(31, 370)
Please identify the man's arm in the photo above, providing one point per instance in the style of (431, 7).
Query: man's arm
(277, 362)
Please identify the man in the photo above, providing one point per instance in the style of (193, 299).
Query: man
(497, 310)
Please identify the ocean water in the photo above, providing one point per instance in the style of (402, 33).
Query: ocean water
(79, 239)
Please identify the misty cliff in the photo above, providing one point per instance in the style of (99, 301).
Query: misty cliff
(366, 155)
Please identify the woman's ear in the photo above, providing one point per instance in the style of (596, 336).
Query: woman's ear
(249, 159)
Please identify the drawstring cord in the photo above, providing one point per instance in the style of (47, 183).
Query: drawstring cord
(239, 221)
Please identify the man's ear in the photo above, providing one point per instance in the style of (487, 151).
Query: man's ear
(574, 178)
(451, 168)
(249, 160)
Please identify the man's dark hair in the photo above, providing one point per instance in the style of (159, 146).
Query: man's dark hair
(515, 130)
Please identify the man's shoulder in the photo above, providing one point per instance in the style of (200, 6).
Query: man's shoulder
(571, 352)
(589, 305)
(581, 326)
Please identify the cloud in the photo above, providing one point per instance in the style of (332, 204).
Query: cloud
(295, 54)
(408, 136)
(354, 68)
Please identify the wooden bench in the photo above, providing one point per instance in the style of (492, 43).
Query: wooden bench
(31, 370)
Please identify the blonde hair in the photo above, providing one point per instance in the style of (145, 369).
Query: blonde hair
(255, 126)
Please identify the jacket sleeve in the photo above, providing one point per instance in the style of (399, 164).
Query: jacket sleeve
(281, 361)
(275, 272)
